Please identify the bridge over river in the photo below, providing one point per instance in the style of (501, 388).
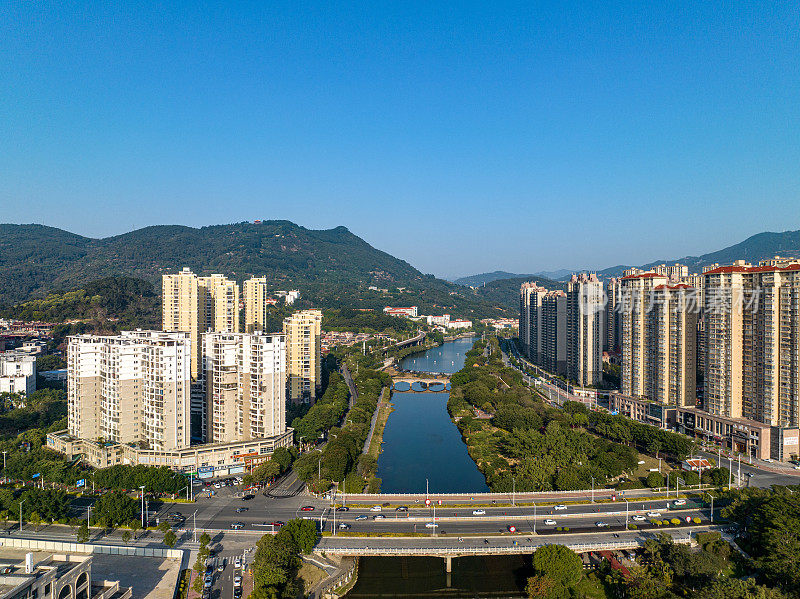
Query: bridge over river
(430, 382)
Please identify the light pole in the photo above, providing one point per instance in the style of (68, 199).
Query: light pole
(730, 471)
(4, 463)
(513, 490)
(20, 515)
(88, 515)
(534, 517)
(739, 472)
(426, 490)
(194, 527)
(142, 498)
(593, 489)
(712, 507)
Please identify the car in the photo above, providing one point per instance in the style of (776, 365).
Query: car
(549, 522)
(615, 535)
(276, 523)
(237, 525)
(768, 460)
(237, 592)
(342, 508)
(362, 517)
(239, 510)
(431, 525)
(378, 517)
(247, 497)
(237, 563)
(750, 474)
(237, 581)
(797, 467)
(638, 518)
(478, 512)
(401, 508)
(217, 485)
(560, 506)
(601, 524)
(375, 508)
(207, 583)
(221, 567)
(209, 569)
(307, 508)
(653, 514)
(511, 528)
(678, 502)
(344, 526)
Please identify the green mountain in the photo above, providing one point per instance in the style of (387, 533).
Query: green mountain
(488, 277)
(332, 268)
(505, 292)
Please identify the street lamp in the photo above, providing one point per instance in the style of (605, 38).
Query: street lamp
(626, 514)
(20, 515)
(712, 507)
(593, 489)
(142, 498)
(534, 517)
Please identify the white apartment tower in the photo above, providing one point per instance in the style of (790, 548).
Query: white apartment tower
(303, 354)
(197, 305)
(255, 304)
(245, 384)
(130, 388)
(585, 329)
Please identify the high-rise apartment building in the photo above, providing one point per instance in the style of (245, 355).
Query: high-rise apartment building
(245, 383)
(531, 320)
(303, 354)
(613, 336)
(196, 305)
(130, 388)
(659, 327)
(585, 329)
(255, 304)
(553, 354)
(752, 343)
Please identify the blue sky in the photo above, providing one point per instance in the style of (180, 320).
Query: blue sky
(462, 137)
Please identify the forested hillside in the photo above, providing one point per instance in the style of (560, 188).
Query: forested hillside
(332, 268)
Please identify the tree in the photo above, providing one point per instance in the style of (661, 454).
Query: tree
(126, 537)
(170, 538)
(163, 526)
(83, 533)
(655, 480)
(559, 563)
(204, 540)
(135, 527)
(539, 586)
(115, 508)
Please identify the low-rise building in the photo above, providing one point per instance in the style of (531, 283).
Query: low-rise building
(17, 372)
(409, 312)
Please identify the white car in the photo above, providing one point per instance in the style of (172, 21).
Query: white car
(549, 522)
(237, 580)
(478, 512)
(600, 524)
(431, 525)
(237, 563)
(653, 514)
(560, 507)
(639, 518)
(375, 508)
(679, 502)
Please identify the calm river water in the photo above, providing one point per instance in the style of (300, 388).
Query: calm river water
(420, 440)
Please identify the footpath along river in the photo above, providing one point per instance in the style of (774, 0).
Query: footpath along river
(420, 440)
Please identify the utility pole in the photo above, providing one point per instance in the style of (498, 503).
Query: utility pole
(88, 513)
(730, 471)
(534, 517)
(194, 527)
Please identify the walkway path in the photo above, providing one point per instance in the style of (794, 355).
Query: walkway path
(375, 414)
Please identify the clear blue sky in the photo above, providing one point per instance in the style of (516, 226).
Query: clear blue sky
(462, 137)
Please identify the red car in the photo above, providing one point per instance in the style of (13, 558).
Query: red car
(307, 508)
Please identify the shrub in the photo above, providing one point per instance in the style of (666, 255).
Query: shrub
(675, 521)
(696, 520)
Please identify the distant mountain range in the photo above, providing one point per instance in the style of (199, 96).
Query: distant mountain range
(761, 246)
(488, 277)
(503, 287)
(332, 268)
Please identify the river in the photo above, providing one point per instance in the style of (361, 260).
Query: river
(420, 440)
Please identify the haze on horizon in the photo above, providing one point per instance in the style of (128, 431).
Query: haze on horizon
(461, 139)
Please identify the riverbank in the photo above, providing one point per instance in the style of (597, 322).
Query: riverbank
(372, 446)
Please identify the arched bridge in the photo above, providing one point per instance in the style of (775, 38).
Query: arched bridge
(404, 384)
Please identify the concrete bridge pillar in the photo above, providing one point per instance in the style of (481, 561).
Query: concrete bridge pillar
(448, 564)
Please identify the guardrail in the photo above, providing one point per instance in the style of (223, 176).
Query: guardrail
(483, 550)
(35, 544)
